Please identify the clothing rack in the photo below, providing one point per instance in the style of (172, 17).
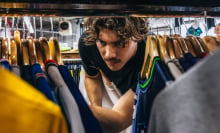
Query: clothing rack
(152, 8)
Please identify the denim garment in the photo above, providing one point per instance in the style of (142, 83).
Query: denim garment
(146, 92)
(91, 124)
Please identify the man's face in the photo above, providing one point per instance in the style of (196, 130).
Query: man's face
(112, 51)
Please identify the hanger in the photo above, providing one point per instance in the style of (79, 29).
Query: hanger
(153, 52)
(211, 43)
(197, 48)
(169, 45)
(54, 46)
(24, 48)
(205, 48)
(32, 51)
(4, 48)
(162, 48)
(38, 48)
(44, 44)
(183, 45)
(177, 49)
(191, 50)
(146, 62)
(17, 37)
(13, 55)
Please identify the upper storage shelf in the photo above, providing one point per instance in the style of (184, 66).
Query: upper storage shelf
(148, 8)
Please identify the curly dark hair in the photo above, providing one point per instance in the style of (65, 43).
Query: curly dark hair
(125, 27)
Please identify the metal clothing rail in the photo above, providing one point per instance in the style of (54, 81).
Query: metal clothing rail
(147, 8)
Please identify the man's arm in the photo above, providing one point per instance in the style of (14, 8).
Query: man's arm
(119, 117)
(94, 85)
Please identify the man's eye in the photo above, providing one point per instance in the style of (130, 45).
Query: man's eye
(101, 42)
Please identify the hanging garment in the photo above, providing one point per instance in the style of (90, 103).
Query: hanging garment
(174, 69)
(90, 123)
(192, 103)
(188, 61)
(146, 92)
(194, 31)
(5, 64)
(16, 70)
(26, 74)
(25, 110)
(64, 97)
(41, 83)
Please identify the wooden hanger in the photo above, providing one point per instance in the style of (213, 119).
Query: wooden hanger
(17, 37)
(55, 50)
(183, 45)
(210, 42)
(202, 43)
(153, 52)
(5, 48)
(32, 51)
(197, 48)
(45, 48)
(162, 48)
(191, 50)
(177, 49)
(24, 49)
(39, 54)
(1, 41)
(146, 62)
(169, 45)
(13, 55)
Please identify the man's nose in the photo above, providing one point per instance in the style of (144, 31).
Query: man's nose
(110, 52)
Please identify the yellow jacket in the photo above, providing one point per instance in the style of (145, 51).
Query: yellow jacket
(23, 109)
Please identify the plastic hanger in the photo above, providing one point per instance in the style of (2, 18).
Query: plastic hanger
(177, 49)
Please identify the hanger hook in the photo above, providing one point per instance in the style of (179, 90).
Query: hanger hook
(41, 27)
(35, 34)
(17, 23)
(23, 28)
(6, 26)
(51, 21)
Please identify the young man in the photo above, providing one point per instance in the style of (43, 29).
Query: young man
(112, 52)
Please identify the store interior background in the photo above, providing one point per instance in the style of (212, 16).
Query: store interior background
(67, 30)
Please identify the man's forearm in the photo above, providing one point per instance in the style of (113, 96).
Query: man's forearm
(94, 89)
(119, 117)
